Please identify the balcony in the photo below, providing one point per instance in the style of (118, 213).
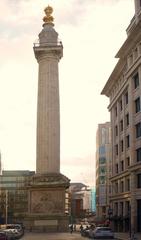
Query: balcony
(47, 44)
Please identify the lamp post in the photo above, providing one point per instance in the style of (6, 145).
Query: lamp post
(6, 206)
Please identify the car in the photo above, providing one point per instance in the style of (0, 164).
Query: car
(13, 231)
(85, 232)
(3, 236)
(103, 232)
(10, 234)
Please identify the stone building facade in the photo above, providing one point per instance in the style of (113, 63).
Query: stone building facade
(81, 202)
(124, 91)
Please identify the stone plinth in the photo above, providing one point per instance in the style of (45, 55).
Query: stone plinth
(46, 205)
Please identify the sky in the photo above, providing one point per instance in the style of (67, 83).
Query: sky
(91, 31)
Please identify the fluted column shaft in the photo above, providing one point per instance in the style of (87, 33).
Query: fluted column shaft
(48, 115)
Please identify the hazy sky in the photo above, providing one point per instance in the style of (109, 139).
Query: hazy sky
(92, 31)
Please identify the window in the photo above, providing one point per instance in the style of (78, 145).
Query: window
(137, 105)
(128, 161)
(127, 119)
(135, 53)
(126, 98)
(128, 184)
(121, 145)
(139, 180)
(116, 149)
(127, 141)
(116, 187)
(116, 111)
(120, 103)
(121, 208)
(102, 150)
(138, 154)
(116, 208)
(102, 160)
(122, 165)
(121, 186)
(116, 168)
(102, 170)
(103, 210)
(121, 125)
(116, 130)
(102, 179)
(138, 130)
(127, 207)
(136, 80)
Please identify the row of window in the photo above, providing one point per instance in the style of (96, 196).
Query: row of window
(119, 167)
(127, 139)
(137, 106)
(121, 124)
(122, 145)
(121, 104)
(122, 186)
(137, 109)
(119, 208)
(137, 101)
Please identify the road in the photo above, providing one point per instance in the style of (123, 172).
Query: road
(53, 236)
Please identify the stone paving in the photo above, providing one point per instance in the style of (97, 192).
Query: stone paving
(69, 236)
(52, 236)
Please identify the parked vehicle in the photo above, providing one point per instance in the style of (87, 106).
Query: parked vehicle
(85, 232)
(102, 232)
(13, 231)
(10, 234)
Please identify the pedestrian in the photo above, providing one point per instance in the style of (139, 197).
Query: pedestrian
(71, 228)
(81, 228)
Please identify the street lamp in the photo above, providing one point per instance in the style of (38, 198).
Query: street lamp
(6, 206)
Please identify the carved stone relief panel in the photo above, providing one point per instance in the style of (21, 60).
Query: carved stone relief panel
(47, 202)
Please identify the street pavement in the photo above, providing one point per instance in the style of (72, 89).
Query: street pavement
(52, 236)
(126, 236)
(69, 236)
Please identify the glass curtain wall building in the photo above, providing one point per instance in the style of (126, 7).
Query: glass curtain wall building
(14, 195)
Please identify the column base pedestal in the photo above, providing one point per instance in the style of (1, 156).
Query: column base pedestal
(46, 204)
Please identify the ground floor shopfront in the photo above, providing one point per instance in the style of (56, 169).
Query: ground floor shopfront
(127, 221)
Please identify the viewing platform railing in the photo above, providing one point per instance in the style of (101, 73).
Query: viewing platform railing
(49, 44)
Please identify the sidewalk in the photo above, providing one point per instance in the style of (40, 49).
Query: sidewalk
(125, 236)
(68, 236)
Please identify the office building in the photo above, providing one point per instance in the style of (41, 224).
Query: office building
(103, 170)
(124, 91)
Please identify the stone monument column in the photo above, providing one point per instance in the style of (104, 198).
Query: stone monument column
(48, 52)
(47, 188)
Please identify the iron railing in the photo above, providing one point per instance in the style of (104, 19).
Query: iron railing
(49, 44)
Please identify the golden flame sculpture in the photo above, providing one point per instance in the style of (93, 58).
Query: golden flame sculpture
(48, 18)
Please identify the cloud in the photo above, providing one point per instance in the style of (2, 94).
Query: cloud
(91, 32)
